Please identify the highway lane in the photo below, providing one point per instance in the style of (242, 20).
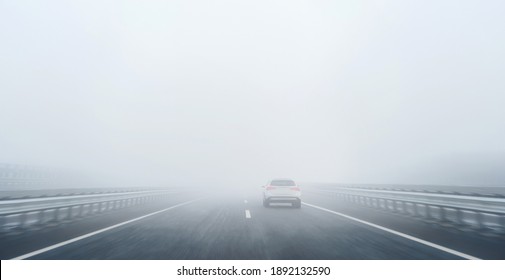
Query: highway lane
(237, 226)
(17, 241)
(464, 240)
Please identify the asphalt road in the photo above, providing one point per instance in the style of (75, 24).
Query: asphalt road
(237, 226)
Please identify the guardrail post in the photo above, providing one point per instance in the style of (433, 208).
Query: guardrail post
(57, 214)
(429, 214)
(80, 211)
(416, 213)
(40, 217)
(22, 219)
(424, 212)
(480, 220)
(459, 218)
(501, 221)
(442, 214)
(398, 206)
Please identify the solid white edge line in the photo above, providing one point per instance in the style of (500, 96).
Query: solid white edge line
(433, 245)
(247, 214)
(40, 251)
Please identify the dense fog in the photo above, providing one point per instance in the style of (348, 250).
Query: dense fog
(233, 93)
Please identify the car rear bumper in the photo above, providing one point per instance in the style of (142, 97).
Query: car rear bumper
(283, 198)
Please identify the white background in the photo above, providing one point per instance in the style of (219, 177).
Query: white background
(154, 270)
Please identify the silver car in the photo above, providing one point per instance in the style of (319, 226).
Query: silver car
(282, 190)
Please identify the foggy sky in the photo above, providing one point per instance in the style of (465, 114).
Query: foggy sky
(238, 92)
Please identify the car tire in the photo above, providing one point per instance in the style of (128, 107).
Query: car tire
(265, 203)
(297, 204)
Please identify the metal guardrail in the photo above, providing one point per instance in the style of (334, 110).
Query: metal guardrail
(31, 212)
(464, 211)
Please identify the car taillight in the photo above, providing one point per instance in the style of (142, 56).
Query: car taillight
(295, 189)
(270, 188)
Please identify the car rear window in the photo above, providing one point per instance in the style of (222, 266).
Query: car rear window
(283, 183)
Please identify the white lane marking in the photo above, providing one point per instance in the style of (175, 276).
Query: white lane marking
(433, 245)
(245, 201)
(37, 252)
(247, 214)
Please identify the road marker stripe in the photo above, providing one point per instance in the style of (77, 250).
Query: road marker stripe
(433, 245)
(43, 250)
(247, 214)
